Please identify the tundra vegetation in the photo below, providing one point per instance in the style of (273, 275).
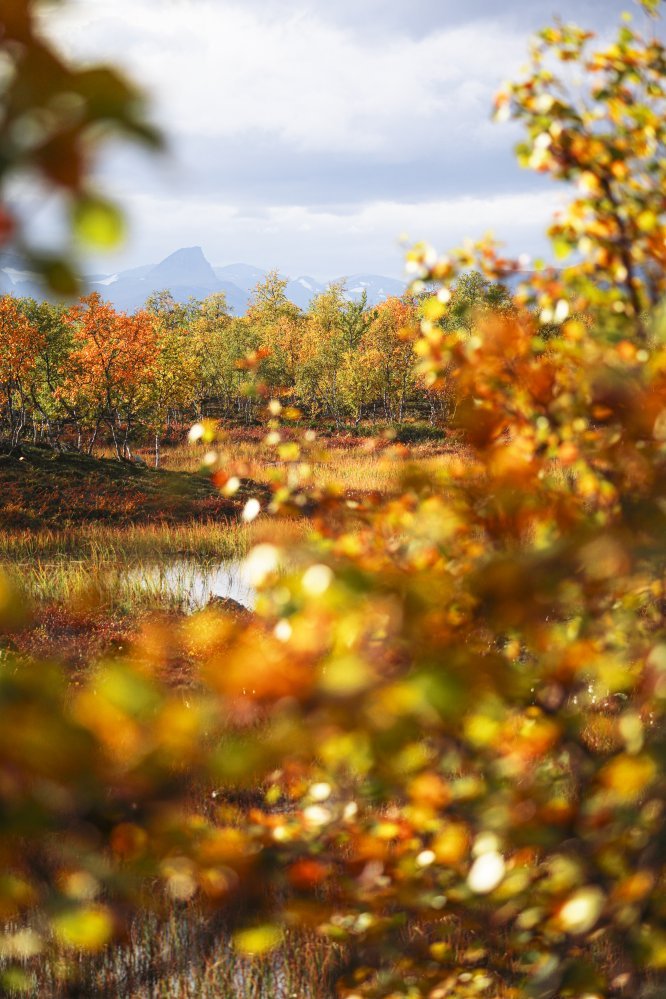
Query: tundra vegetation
(430, 762)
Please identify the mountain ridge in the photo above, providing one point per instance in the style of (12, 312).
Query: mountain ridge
(187, 273)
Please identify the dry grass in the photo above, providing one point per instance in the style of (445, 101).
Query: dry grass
(206, 541)
(109, 587)
(369, 466)
(189, 955)
(135, 569)
(100, 543)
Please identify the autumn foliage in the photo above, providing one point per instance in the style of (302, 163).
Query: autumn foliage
(110, 366)
(19, 346)
(97, 374)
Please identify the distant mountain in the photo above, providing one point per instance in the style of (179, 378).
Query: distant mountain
(188, 274)
(185, 273)
(377, 288)
(303, 290)
(14, 274)
(245, 276)
(185, 268)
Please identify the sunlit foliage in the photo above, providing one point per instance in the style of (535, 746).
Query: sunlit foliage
(94, 369)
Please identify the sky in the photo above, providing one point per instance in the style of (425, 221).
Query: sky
(317, 135)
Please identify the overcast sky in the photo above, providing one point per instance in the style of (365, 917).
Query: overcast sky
(312, 134)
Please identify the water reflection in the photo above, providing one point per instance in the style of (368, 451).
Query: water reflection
(192, 585)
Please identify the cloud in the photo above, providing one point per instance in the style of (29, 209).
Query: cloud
(375, 20)
(287, 106)
(289, 118)
(221, 70)
(326, 242)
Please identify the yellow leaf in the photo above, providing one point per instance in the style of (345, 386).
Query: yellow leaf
(98, 223)
(433, 309)
(84, 929)
(647, 221)
(452, 843)
(258, 939)
(628, 776)
(289, 451)
(344, 676)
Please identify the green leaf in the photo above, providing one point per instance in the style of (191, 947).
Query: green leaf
(127, 691)
(583, 977)
(97, 223)
(651, 6)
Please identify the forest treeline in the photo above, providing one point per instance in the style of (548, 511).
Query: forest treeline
(81, 374)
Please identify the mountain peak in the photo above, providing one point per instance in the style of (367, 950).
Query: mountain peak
(186, 273)
(187, 266)
(187, 253)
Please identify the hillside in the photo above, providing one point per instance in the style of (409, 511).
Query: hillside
(45, 489)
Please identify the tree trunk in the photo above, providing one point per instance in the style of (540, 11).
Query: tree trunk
(91, 443)
(115, 440)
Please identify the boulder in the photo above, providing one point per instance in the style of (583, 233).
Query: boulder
(232, 608)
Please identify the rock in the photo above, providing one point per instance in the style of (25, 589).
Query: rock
(231, 607)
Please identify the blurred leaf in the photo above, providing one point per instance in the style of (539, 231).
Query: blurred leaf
(16, 980)
(97, 223)
(651, 6)
(88, 929)
(546, 982)
(258, 940)
(59, 273)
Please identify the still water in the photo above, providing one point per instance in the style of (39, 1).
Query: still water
(192, 585)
